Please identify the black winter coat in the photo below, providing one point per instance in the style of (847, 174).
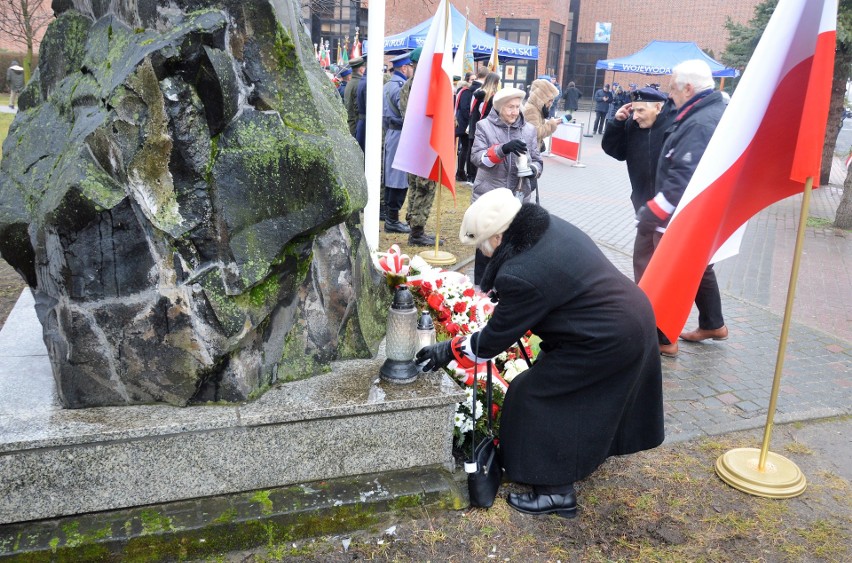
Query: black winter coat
(478, 111)
(596, 388)
(465, 99)
(626, 141)
(686, 140)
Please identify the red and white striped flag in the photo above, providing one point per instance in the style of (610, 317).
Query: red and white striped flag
(763, 150)
(427, 141)
(566, 141)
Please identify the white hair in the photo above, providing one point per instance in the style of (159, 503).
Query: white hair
(695, 72)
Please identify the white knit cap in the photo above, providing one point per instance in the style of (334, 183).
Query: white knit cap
(506, 94)
(489, 215)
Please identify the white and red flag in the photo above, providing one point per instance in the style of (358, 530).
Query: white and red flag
(427, 142)
(767, 144)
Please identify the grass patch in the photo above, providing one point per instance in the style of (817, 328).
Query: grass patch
(5, 122)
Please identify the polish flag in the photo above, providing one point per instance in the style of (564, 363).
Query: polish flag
(427, 142)
(566, 141)
(767, 144)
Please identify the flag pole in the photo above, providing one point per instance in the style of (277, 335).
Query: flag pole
(438, 257)
(761, 472)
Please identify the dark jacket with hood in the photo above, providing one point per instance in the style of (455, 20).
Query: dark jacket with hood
(595, 390)
(640, 148)
(15, 77)
(686, 140)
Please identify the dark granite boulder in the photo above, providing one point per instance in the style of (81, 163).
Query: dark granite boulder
(181, 193)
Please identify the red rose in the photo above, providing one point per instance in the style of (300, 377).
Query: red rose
(468, 292)
(495, 408)
(427, 287)
(436, 300)
(460, 307)
(452, 328)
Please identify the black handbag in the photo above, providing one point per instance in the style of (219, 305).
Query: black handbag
(485, 468)
(484, 471)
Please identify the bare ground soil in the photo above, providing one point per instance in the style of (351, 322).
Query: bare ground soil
(663, 505)
(11, 285)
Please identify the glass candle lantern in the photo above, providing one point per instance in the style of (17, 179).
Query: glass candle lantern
(401, 339)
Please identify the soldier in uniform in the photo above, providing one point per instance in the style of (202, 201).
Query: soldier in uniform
(349, 99)
(421, 192)
(395, 181)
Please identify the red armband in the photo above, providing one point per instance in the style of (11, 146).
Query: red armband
(458, 353)
(492, 154)
(655, 208)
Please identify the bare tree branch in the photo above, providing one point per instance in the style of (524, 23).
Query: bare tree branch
(22, 20)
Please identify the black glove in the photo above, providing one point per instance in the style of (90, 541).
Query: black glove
(648, 220)
(431, 358)
(517, 146)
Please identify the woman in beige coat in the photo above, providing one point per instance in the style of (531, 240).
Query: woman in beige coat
(537, 108)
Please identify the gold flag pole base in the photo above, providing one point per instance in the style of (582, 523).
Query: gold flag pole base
(780, 478)
(439, 258)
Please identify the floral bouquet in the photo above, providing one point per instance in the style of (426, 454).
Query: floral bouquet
(458, 308)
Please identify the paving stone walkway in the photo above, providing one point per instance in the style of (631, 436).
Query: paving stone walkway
(717, 387)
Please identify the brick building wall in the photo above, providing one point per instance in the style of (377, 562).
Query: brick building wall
(635, 25)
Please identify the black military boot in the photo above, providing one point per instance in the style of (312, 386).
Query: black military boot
(393, 224)
(383, 212)
(419, 237)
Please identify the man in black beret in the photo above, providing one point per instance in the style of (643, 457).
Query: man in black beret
(635, 135)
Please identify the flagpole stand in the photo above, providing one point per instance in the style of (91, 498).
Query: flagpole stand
(760, 472)
(435, 256)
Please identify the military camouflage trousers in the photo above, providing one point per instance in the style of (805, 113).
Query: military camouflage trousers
(421, 194)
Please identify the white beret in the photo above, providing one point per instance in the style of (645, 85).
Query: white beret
(506, 94)
(489, 215)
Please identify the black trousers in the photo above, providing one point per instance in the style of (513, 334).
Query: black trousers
(464, 156)
(600, 122)
(394, 198)
(708, 299)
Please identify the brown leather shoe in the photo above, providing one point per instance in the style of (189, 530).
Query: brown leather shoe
(668, 350)
(700, 334)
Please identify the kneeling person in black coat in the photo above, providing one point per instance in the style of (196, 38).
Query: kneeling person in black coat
(595, 389)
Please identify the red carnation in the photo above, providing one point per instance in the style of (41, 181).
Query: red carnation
(427, 287)
(452, 328)
(460, 307)
(469, 292)
(435, 300)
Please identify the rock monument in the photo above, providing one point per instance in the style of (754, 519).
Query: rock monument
(181, 193)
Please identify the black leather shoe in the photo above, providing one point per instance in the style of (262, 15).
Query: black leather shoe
(392, 226)
(531, 503)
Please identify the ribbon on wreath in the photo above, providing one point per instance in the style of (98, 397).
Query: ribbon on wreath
(395, 265)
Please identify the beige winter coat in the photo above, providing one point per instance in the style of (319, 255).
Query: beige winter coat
(541, 92)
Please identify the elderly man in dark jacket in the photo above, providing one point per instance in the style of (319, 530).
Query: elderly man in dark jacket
(636, 135)
(699, 110)
(595, 389)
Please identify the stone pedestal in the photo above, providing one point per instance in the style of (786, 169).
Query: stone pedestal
(57, 462)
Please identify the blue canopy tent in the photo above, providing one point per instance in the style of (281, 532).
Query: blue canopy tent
(481, 42)
(658, 57)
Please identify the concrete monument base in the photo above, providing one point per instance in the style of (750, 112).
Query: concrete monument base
(57, 463)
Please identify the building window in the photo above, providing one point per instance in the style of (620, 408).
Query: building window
(554, 44)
